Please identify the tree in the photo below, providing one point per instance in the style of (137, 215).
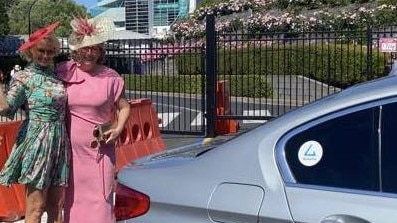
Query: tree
(44, 12)
(4, 28)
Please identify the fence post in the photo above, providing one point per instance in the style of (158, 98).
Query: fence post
(210, 72)
(369, 52)
(203, 88)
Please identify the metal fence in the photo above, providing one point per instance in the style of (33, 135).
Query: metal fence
(153, 69)
(309, 66)
(268, 74)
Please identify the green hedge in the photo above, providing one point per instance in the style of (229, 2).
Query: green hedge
(242, 86)
(337, 65)
(168, 83)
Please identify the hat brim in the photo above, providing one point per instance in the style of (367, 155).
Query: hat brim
(38, 35)
(104, 31)
(89, 41)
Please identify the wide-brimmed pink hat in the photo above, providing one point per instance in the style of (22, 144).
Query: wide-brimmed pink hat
(38, 35)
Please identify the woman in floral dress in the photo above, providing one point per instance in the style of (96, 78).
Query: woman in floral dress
(40, 156)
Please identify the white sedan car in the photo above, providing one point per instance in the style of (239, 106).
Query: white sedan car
(332, 161)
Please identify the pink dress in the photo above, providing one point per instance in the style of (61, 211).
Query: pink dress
(91, 99)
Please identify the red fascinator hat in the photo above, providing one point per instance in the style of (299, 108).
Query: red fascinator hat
(38, 35)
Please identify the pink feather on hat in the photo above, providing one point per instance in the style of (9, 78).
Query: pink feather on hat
(88, 32)
(84, 27)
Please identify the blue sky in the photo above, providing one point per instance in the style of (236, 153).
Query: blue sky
(87, 3)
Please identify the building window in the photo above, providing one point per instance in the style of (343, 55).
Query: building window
(137, 13)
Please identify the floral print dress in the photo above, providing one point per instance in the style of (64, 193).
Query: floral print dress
(40, 156)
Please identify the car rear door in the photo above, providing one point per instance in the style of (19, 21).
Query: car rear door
(321, 205)
(339, 168)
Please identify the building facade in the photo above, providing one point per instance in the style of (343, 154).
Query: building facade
(150, 17)
(138, 16)
(154, 17)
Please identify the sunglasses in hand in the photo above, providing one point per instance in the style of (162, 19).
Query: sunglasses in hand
(99, 136)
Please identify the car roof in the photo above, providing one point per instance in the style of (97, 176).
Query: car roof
(380, 88)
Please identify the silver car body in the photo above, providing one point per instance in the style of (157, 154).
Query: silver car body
(247, 179)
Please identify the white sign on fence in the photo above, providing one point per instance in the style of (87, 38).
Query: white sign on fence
(388, 45)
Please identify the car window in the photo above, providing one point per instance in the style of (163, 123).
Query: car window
(340, 152)
(389, 148)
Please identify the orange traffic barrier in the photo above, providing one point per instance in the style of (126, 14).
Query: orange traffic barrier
(126, 151)
(150, 125)
(223, 95)
(142, 136)
(12, 202)
(224, 126)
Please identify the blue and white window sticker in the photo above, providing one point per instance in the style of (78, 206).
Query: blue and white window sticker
(310, 153)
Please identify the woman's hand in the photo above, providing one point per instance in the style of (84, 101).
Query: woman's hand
(123, 114)
(112, 135)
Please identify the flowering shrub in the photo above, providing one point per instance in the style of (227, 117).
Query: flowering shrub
(263, 22)
(387, 15)
(229, 7)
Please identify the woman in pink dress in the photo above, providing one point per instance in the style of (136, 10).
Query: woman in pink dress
(95, 95)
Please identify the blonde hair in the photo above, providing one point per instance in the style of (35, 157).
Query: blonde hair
(51, 40)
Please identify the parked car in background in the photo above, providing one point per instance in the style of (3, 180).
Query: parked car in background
(331, 161)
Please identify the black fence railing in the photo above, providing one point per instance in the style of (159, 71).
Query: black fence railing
(267, 74)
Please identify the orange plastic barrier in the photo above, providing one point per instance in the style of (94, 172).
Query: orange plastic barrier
(142, 136)
(224, 126)
(12, 202)
(223, 95)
